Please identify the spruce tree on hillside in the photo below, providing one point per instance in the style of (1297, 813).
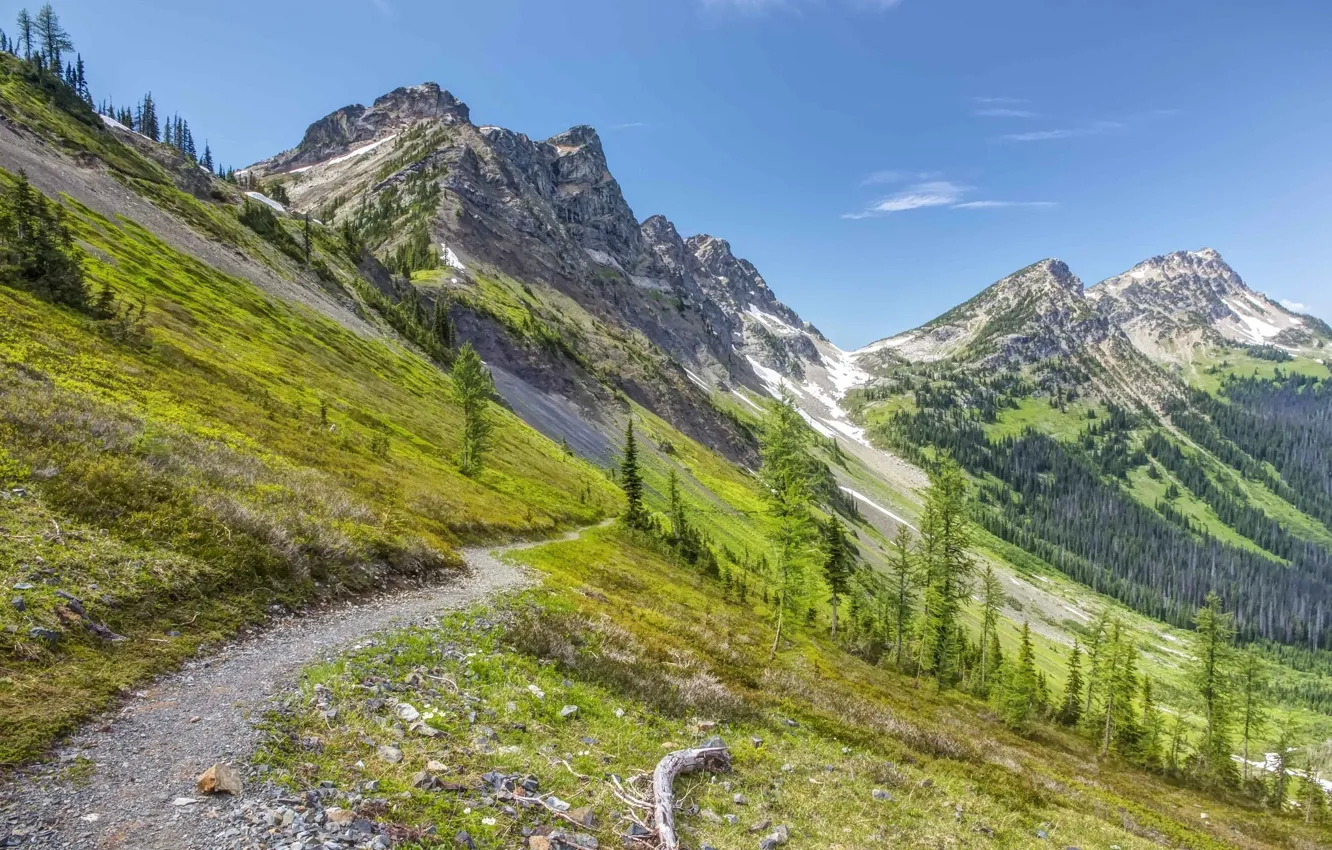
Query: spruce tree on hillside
(903, 576)
(1070, 710)
(946, 538)
(1251, 688)
(786, 480)
(1019, 695)
(992, 602)
(839, 559)
(472, 388)
(207, 160)
(26, 33)
(1211, 677)
(52, 36)
(631, 481)
(37, 250)
(147, 122)
(1149, 745)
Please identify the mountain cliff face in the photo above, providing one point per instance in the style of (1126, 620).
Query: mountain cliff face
(497, 202)
(1173, 303)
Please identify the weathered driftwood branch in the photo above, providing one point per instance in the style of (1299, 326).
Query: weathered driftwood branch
(712, 756)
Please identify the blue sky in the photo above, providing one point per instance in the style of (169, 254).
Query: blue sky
(878, 161)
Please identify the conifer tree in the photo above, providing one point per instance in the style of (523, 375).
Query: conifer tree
(147, 123)
(1149, 746)
(1211, 677)
(839, 557)
(631, 480)
(1070, 710)
(946, 536)
(1313, 799)
(1279, 789)
(207, 161)
(1099, 629)
(902, 579)
(1179, 744)
(1019, 696)
(992, 601)
(81, 80)
(37, 250)
(1252, 685)
(786, 478)
(472, 388)
(53, 37)
(26, 33)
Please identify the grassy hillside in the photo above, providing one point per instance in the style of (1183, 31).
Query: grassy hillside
(180, 472)
(652, 653)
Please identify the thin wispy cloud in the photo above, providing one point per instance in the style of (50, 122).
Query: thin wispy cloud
(932, 193)
(763, 6)
(990, 205)
(383, 6)
(630, 125)
(1092, 129)
(926, 192)
(1005, 112)
(1001, 101)
(889, 176)
(1294, 306)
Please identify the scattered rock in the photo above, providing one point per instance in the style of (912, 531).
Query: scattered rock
(880, 794)
(536, 692)
(221, 778)
(568, 711)
(740, 800)
(49, 636)
(18, 603)
(408, 713)
(392, 755)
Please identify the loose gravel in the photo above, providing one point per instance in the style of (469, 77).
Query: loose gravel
(140, 794)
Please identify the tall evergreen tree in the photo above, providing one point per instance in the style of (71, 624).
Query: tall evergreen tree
(839, 558)
(1019, 696)
(26, 33)
(631, 480)
(1070, 710)
(37, 249)
(786, 479)
(1149, 747)
(902, 581)
(207, 161)
(992, 602)
(1099, 629)
(946, 537)
(53, 37)
(1313, 799)
(472, 388)
(1279, 788)
(1212, 678)
(147, 123)
(1179, 744)
(1252, 686)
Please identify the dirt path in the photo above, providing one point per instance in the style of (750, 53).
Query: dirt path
(148, 755)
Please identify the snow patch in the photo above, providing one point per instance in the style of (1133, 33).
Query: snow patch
(451, 259)
(861, 497)
(696, 379)
(771, 321)
(364, 149)
(601, 258)
(267, 201)
(1260, 330)
(747, 401)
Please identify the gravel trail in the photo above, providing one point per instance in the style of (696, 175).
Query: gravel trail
(149, 753)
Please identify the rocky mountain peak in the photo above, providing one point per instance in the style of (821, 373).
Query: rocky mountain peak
(357, 125)
(428, 100)
(1173, 302)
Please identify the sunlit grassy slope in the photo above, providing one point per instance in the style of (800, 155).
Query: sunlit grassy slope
(235, 451)
(651, 653)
